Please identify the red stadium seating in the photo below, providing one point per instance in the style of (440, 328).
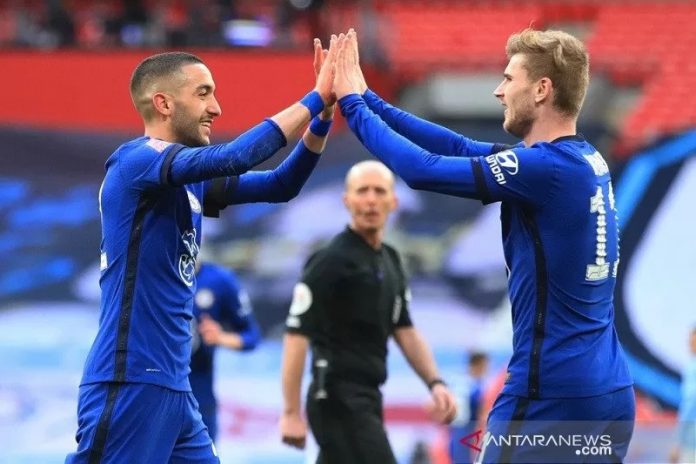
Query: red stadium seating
(635, 43)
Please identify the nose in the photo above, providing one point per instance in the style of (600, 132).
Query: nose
(214, 108)
(498, 92)
(371, 196)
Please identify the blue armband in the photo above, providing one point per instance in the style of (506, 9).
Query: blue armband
(313, 102)
(319, 127)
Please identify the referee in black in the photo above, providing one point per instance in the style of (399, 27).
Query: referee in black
(352, 296)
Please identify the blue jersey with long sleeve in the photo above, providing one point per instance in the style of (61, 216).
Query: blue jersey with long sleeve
(220, 297)
(151, 202)
(560, 240)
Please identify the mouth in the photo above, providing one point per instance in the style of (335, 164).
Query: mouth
(207, 126)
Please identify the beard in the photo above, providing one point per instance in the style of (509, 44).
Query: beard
(187, 130)
(521, 123)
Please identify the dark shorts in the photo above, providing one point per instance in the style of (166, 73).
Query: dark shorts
(348, 425)
(140, 423)
(595, 429)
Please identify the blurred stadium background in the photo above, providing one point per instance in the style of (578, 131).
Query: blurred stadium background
(64, 70)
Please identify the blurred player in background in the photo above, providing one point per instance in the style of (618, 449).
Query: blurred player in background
(135, 403)
(685, 449)
(560, 235)
(469, 394)
(352, 297)
(222, 316)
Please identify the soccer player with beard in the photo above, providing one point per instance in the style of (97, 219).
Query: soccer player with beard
(568, 372)
(135, 401)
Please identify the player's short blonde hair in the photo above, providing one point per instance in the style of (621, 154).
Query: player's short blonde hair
(560, 57)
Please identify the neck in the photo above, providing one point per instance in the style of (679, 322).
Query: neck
(546, 129)
(160, 132)
(373, 237)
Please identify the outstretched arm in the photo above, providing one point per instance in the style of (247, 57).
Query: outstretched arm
(428, 135)
(284, 182)
(418, 167)
(187, 165)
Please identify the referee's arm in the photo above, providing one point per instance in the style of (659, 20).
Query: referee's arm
(417, 353)
(421, 359)
(292, 427)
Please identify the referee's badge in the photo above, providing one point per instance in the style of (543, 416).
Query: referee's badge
(301, 299)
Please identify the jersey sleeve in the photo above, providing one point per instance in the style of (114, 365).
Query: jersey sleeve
(238, 313)
(312, 294)
(146, 166)
(274, 186)
(521, 174)
(418, 167)
(196, 164)
(468, 177)
(431, 136)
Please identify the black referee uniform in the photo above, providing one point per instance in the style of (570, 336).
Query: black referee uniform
(349, 301)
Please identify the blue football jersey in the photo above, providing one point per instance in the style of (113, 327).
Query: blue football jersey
(561, 245)
(151, 234)
(560, 240)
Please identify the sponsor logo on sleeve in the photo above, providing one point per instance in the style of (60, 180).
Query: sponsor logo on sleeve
(502, 163)
(508, 161)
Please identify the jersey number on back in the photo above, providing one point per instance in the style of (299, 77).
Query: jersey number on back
(599, 270)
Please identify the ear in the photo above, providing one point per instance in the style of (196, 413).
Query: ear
(394, 203)
(162, 103)
(543, 90)
(345, 201)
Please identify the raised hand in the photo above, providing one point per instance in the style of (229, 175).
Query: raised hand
(358, 77)
(320, 56)
(345, 62)
(325, 69)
